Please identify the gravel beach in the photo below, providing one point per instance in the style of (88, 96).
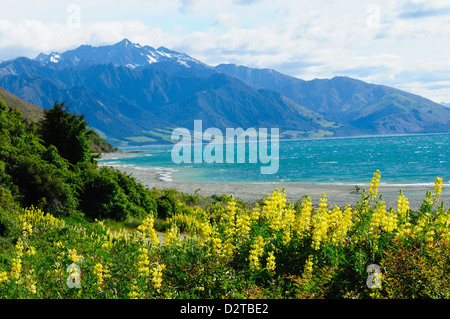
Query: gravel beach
(337, 194)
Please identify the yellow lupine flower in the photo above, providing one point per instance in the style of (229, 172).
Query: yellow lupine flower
(402, 206)
(390, 222)
(73, 255)
(323, 206)
(429, 236)
(157, 273)
(273, 209)
(256, 212)
(216, 246)
(16, 268)
(31, 251)
(308, 267)
(270, 262)
(256, 252)
(286, 239)
(340, 223)
(374, 184)
(147, 232)
(303, 221)
(287, 219)
(228, 219)
(320, 224)
(30, 283)
(242, 226)
(172, 237)
(143, 262)
(19, 247)
(378, 218)
(227, 249)
(27, 229)
(98, 271)
(437, 189)
(3, 276)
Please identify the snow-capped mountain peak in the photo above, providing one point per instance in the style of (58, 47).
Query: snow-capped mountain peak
(123, 53)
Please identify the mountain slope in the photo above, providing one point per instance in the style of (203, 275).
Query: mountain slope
(135, 94)
(370, 108)
(31, 113)
(127, 103)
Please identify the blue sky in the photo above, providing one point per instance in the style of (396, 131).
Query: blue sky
(400, 43)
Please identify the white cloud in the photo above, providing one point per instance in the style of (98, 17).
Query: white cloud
(36, 36)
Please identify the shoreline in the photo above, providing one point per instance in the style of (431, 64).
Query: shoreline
(250, 192)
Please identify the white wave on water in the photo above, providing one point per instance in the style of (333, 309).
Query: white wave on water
(164, 174)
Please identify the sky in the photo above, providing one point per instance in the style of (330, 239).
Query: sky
(399, 43)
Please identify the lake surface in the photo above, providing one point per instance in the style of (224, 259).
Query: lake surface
(404, 159)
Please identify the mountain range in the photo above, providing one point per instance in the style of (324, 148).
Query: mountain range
(132, 94)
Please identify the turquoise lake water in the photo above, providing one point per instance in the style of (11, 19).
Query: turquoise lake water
(404, 159)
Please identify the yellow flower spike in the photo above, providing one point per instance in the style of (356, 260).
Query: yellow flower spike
(99, 272)
(308, 267)
(31, 251)
(271, 263)
(429, 236)
(320, 225)
(19, 247)
(157, 273)
(243, 222)
(172, 237)
(303, 221)
(3, 276)
(27, 229)
(390, 222)
(256, 252)
(146, 231)
(323, 206)
(378, 218)
(256, 212)
(30, 283)
(216, 246)
(437, 190)
(402, 206)
(73, 255)
(374, 184)
(16, 268)
(143, 263)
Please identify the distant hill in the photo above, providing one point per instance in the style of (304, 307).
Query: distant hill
(31, 113)
(372, 109)
(133, 94)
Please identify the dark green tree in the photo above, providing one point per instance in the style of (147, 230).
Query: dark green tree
(68, 132)
(31, 173)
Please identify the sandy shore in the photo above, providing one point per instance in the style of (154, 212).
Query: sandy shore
(337, 194)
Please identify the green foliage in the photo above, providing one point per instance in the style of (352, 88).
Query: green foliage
(32, 173)
(57, 173)
(99, 145)
(68, 132)
(109, 193)
(167, 203)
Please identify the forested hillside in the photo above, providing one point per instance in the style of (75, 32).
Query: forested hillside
(51, 166)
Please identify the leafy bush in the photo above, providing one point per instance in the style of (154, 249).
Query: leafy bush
(109, 193)
(68, 132)
(167, 203)
(33, 174)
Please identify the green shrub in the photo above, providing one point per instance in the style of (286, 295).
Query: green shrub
(109, 193)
